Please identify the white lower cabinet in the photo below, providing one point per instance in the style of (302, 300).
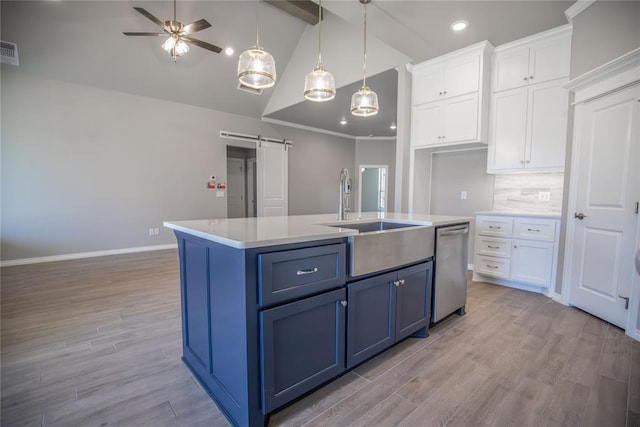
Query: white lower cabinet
(516, 250)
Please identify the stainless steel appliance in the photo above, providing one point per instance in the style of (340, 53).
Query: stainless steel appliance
(450, 280)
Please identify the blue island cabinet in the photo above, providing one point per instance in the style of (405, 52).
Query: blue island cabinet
(387, 308)
(263, 326)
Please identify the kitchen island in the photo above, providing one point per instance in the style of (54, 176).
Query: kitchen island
(272, 307)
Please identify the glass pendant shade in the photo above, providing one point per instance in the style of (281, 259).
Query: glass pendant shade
(181, 48)
(364, 103)
(319, 85)
(169, 44)
(257, 68)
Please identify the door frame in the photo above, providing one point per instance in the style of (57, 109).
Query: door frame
(386, 185)
(243, 204)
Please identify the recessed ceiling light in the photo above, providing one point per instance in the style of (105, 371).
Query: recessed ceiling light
(459, 25)
(228, 51)
(393, 126)
(343, 121)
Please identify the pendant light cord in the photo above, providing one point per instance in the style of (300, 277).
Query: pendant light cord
(320, 33)
(174, 10)
(257, 26)
(364, 66)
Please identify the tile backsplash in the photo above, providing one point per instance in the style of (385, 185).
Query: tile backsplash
(534, 192)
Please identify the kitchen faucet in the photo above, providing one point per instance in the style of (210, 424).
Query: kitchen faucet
(345, 191)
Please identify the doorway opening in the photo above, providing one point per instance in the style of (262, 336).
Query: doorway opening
(241, 182)
(373, 188)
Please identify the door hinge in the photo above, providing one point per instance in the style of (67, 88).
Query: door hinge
(636, 209)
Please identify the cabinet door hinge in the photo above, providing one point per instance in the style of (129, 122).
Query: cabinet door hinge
(636, 209)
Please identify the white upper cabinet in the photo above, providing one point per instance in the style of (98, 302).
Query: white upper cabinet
(450, 98)
(529, 107)
(530, 63)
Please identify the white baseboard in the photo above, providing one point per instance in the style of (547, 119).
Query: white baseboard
(66, 257)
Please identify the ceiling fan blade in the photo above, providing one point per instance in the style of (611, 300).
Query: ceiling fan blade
(150, 17)
(196, 26)
(128, 33)
(202, 44)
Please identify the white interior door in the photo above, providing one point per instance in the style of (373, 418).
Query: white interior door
(272, 179)
(235, 188)
(606, 182)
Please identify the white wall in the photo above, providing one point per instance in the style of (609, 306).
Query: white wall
(87, 169)
(457, 171)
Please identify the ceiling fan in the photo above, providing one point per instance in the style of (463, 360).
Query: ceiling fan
(176, 44)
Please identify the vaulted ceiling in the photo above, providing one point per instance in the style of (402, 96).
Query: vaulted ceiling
(82, 42)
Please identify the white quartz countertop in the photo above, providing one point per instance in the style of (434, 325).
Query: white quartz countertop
(245, 233)
(520, 213)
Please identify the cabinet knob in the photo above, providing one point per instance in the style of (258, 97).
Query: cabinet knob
(402, 281)
(444, 93)
(396, 283)
(530, 77)
(344, 303)
(525, 79)
(440, 93)
(515, 246)
(527, 161)
(522, 162)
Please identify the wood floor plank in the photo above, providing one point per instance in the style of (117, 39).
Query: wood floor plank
(582, 364)
(566, 405)
(607, 403)
(524, 405)
(391, 412)
(362, 401)
(319, 401)
(615, 361)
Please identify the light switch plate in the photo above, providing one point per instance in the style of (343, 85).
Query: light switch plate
(219, 193)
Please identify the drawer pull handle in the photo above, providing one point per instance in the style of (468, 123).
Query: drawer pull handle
(495, 228)
(492, 266)
(533, 229)
(493, 247)
(309, 271)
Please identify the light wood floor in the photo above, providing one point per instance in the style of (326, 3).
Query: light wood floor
(97, 342)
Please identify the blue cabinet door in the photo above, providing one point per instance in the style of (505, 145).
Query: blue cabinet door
(370, 317)
(302, 346)
(413, 299)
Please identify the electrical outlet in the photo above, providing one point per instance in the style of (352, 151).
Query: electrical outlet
(544, 196)
(463, 195)
(156, 231)
(151, 232)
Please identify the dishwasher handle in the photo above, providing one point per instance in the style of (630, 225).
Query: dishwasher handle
(452, 231)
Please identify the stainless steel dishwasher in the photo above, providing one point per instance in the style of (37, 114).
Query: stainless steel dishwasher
(450, 280)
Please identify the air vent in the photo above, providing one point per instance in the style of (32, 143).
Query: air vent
(9, 53)
(249, 89)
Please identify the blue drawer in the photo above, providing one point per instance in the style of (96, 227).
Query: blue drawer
(287, 275)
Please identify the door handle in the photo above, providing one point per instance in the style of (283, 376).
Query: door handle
(626, 301)
(579, 215)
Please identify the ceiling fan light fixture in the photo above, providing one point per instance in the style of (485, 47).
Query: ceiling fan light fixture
(256, 66)
(364, 103)
(319, 84)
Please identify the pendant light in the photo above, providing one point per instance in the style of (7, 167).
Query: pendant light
(256, 66)
(364, 102)
(319, 85)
